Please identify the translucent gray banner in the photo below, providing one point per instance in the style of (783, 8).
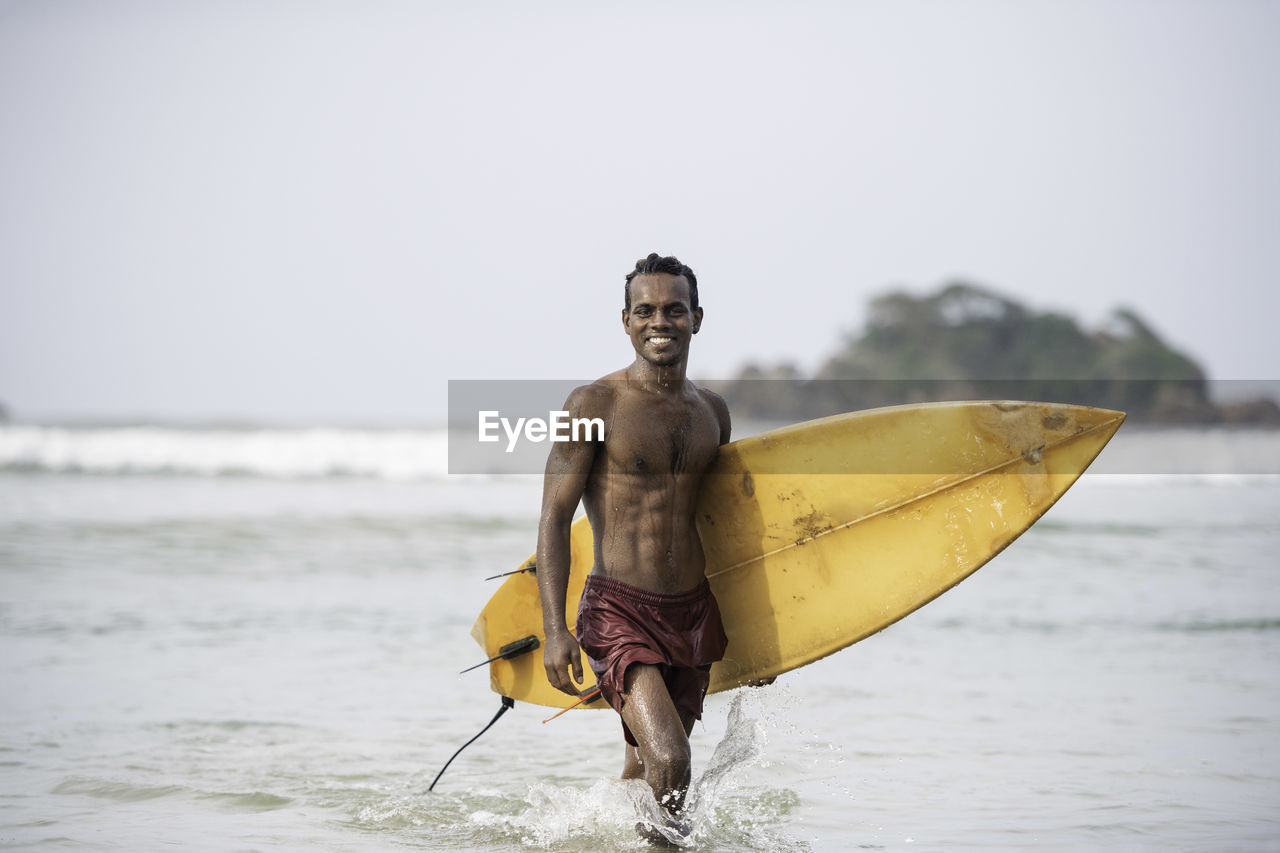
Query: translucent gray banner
(1228, 427)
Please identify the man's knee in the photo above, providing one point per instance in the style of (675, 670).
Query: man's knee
(671, 758)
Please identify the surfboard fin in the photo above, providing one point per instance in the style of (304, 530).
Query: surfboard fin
(532, 567)
(509, 651)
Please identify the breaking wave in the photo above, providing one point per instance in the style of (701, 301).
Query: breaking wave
(405, 454)
(1216, 456)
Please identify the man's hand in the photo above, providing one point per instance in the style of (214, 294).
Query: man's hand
(561, 655)
(762, 682)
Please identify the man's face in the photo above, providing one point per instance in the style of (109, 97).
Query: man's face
(661, 321)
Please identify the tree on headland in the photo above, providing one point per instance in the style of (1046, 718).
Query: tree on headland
(969, 342)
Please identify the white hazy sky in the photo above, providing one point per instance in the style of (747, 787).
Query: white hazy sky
(307, 210)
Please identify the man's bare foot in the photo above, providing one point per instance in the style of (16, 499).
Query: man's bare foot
(673, 828)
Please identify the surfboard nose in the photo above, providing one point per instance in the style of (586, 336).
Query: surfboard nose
(1069, 436)
(1072, 419)
(1034, 430)
(1100, 417)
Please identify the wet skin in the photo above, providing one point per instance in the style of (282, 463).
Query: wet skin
(639, 487)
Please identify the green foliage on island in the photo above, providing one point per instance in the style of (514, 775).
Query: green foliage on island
(966, 343)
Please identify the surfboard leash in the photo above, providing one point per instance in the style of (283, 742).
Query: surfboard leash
(507, 704)
(587, 698)
(507, 652)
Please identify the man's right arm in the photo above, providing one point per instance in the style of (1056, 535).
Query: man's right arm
(568, 468)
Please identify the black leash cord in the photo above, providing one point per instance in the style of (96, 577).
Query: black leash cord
(507, 705)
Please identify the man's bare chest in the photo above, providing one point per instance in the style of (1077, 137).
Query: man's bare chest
(662, 437)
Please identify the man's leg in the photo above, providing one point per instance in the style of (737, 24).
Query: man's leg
(632, 766)
(662, 731)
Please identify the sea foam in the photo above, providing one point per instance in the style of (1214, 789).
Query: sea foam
(270, 452)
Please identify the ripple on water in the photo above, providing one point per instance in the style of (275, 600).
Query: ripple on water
(128, 792)
(1214, 626)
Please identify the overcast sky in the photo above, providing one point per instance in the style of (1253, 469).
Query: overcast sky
(303, 210)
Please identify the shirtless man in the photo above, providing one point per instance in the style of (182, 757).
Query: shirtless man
(648, 622)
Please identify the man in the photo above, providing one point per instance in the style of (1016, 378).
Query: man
(648, 621)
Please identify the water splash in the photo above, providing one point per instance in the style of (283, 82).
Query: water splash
(742, 745)
(724, 811)
(601, 816)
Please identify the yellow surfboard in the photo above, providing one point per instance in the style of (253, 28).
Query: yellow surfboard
(820, 534)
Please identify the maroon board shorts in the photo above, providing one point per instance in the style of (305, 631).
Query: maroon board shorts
(619, 624)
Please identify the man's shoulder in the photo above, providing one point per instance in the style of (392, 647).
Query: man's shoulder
(721, 409)
(593, 399)
(715, 400)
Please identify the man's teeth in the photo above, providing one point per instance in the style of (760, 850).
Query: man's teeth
(659, 340)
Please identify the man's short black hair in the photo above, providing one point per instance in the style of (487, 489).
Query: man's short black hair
(658, 263)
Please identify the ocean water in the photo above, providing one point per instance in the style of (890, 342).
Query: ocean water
(236, 640)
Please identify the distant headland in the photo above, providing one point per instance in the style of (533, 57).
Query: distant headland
(968, 342)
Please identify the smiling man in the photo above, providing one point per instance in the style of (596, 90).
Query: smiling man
(647, 621)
